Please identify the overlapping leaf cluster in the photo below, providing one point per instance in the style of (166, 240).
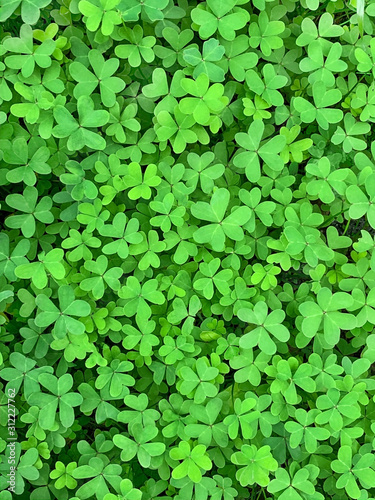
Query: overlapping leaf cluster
(187, 253)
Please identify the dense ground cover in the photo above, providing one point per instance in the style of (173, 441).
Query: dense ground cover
(187, 263)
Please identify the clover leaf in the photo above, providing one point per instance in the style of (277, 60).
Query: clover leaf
(326, 312)
(221, 16)
(291, 486)
(100, 474)
(30, 9)
(349, 474)
(63, 317)
(194, 459)
(199, 384)
(32, 208)
(320, 110)
(264, 325)
(221, 226)
(142, 447)
(207, 101)
(78, 132)
(28, 56)
(257, 464)
(360, 204)
(103, 76)
(60, 400)
(253, 150)
(100, 13)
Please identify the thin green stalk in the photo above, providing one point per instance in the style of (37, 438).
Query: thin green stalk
(361, 15)
(358, 82)
(260, 492)
(330, 219)
(347, 226)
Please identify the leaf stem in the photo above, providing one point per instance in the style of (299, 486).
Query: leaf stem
(351, 90)
(347, 226)
(330, 219)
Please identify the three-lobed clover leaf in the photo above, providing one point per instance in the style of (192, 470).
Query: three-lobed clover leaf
(33, 209)
(152, 9)
(127, 492)
(176, 129)
(256, 464)
(335, 408)
(139, 413)
(366, 61)
(325, 182)
(360, 203)
(326, 28)
(30, 158)
(51, 262)
(321, 110)
(208, 431)
(139, 182)
(60, 400)
(143, 446)
(249, 159)
(292, 487)
(213, 279)
(11, 259)
(194, 460)
(123, 232)
(28, 56)
(208, 99)
(221, 227)
(198, 384)
(309, 242)
(264, 33)
(351, 472)
(139, 47)
(264, 324)
(78, 131)
(303, 430)
(205, 62)
(25, 467)
(23, 372)
(63, 317)
(242, 418)
(103, 13)
(289, 375)
(30, 9)
(321, 69)
(99, 475)
(176, 350)
(347, 137)
(240, 59)
(103, 76)
(104, 277)
(115, 377)
(325, 315)
(267, 87)
(219, 15)
(137, 296)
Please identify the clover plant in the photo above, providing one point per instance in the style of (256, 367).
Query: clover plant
(187, 249)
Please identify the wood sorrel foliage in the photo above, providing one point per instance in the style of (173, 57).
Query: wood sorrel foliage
(187, 253)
